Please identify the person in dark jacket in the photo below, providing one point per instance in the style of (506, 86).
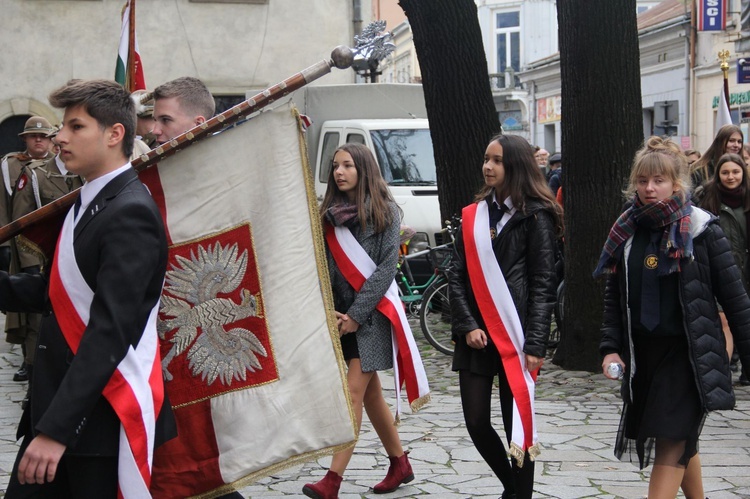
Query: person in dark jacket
(667, 264)
(554, 177)
(727, 195)
(502, 285)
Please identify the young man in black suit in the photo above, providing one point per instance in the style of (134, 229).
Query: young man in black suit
(97, 390)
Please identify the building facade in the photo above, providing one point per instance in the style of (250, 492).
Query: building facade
(235, 48)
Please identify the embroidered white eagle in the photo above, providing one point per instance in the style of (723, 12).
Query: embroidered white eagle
(219, 351)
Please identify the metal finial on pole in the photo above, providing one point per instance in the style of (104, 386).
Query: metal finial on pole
(724, 58)
(372, 46)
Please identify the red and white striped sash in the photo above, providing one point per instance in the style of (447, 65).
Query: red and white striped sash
(356, 266)
(136, 389)
(503, 325)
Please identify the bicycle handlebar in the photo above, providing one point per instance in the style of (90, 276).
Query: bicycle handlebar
(426, 251)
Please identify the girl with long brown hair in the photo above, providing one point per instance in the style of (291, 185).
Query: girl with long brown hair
(362, 224)
(502, 284)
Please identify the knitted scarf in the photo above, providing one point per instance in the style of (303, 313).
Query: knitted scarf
(342, 214)
(676, 243)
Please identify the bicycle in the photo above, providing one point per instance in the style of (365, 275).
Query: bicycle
(435, 312)
(418, 296)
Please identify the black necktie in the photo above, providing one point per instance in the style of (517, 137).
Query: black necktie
(650, 283)
(69, 182)
(496, 214)
(77, 207)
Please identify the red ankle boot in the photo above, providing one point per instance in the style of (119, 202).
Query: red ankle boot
(398, 472)
(327, 488)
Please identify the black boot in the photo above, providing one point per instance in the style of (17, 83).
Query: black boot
(524, 479)
(22, 374)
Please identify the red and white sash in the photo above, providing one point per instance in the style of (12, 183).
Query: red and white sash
(356, 266)
(503, 325)
(136, 389)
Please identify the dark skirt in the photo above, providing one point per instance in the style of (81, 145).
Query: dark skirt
(349, 346)
(666, 403)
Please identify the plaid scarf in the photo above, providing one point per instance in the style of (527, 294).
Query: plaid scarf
(676, 243)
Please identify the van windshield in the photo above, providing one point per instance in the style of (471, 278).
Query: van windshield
(405, 156)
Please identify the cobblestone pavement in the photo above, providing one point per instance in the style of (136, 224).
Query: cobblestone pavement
(578, 415)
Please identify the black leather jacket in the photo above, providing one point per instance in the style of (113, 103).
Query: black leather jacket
(712, 273)
(525, 250)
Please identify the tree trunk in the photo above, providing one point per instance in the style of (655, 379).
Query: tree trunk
(602, 127)
(456, 83)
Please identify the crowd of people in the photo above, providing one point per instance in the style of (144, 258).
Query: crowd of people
(672, 330)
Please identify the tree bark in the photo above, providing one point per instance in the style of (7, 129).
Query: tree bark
(602, 127)
(456, 83)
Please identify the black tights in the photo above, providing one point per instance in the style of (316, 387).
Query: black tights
(476, 394)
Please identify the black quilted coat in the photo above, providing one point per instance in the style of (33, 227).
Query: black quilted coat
(525, 250)
(712, 273)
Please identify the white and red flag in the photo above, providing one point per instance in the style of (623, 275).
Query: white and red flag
(129, 70)
(249, 345)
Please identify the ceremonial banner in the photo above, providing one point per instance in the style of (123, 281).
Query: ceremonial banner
(249, 345)
(129, 70)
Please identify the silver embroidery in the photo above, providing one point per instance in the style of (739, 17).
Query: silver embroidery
(218, 352)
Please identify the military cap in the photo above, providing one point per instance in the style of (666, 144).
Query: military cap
(37, 124)
(144, 103)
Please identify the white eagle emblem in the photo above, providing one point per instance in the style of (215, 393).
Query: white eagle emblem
(218, 352)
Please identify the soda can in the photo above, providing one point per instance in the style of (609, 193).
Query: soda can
(615, 370)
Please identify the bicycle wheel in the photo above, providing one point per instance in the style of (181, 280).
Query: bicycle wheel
(435, 317)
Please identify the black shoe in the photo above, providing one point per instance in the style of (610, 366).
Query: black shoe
(22, 374)
(743, 380)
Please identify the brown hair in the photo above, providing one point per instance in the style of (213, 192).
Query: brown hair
(191, 93)
(104, 100)
(370, 185)
(715, 150)
(659, 156)
(712, 195)
(523, 178)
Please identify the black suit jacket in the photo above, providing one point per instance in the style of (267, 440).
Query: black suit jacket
(121, 250)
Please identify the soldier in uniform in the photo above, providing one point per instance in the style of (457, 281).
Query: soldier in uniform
(40, 183)
(144, 111)
(38, 144)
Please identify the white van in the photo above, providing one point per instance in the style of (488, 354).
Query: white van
(403, 149)
(390, 119)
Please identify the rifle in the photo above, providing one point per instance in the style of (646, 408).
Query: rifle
(42, 227)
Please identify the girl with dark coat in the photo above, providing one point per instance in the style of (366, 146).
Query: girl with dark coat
(727, 195)
(500, 324)
(667, 264)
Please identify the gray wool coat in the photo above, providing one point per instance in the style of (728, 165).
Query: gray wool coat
(374, 333)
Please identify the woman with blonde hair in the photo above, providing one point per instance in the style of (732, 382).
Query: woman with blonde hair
(667, 264)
